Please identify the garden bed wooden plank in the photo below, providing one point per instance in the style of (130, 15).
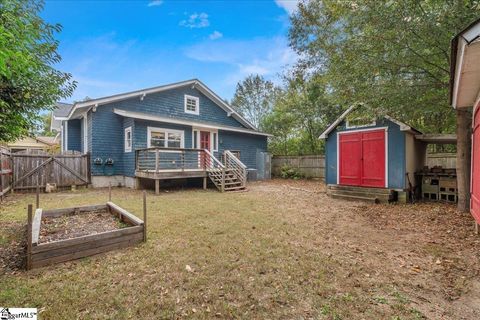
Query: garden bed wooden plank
(86, 253)
(85, 246)
(63, 211)
(99, 236)
(125, 214)
(37, 220)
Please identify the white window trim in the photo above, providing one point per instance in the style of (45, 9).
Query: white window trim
(154, 129)
(85, 133)
(197, 111)
(214, 141)
(212, 131)
(127, 149)
(66, 136)
(62, 145)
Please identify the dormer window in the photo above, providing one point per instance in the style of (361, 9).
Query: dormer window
(192, 104)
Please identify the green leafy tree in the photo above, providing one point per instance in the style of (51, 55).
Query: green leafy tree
(391, 55)
(300, 115)
(28, 81)
(254, 98)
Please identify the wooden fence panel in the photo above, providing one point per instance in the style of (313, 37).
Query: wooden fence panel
(308, 166)
(445, 160)
(5, 171)
(64, 170)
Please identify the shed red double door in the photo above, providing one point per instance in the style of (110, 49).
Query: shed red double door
(362, 158)
(475, 182)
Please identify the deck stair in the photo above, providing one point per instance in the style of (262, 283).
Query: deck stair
(374, 195)
(230, 175)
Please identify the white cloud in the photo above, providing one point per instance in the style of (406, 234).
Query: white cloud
(288, 5)
(215, 35)
(196, 20)
(264, 56)
(155, 3)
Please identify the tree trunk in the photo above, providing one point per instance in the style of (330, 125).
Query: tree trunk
(464, 132)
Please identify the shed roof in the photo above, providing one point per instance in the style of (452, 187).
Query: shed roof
(437, 138)
(403, 126)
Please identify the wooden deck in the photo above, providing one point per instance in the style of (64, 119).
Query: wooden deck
(180, 163)
(171, 174)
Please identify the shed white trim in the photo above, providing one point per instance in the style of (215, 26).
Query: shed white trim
(385, 129)
(145, 116)
(403, 126)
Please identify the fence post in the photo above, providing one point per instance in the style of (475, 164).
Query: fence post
(29, 237)
(144, 216)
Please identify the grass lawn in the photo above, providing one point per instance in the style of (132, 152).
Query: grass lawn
(282, 250)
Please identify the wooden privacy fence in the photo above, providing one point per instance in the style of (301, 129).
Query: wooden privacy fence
(6, 171)
(308, 166)
(40, 168)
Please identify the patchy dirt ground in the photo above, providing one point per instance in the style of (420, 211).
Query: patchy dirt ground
(282, 250)
(428, 250)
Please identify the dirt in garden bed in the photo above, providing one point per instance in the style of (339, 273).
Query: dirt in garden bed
(78, 225)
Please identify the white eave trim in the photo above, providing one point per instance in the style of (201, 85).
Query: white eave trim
(403, 126)
(458, 71)
(144, 116)
(142, 93)
(324, 135)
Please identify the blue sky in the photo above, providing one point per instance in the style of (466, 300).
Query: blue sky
(116, 46)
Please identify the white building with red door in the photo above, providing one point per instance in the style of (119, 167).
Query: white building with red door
(465, 93)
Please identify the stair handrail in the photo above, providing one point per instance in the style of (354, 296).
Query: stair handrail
(238, 167)
(215, 160)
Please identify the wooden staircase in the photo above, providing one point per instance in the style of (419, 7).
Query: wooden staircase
(230, 175)
(374, 195)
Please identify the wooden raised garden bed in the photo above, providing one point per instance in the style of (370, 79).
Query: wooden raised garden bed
(65, 234)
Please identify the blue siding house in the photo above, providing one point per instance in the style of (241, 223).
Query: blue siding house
(371, 154)
(180, 130)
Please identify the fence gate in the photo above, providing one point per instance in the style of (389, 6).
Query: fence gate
(39, 168)
(5, 171)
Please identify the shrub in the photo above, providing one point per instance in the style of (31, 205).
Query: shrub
(288, 172)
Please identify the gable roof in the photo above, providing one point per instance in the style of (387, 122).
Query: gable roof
(83, 106)
(464, 67)
(403, 126)
(62, 110)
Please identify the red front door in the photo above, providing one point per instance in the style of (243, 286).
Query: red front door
(475, 183)
(362, 158)
(204, 144)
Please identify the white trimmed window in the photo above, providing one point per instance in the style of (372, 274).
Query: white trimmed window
(192, 105)
(128, 139)
(165, 138)
(85, 133)
(215, 141)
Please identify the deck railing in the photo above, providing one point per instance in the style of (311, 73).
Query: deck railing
(175, 159)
